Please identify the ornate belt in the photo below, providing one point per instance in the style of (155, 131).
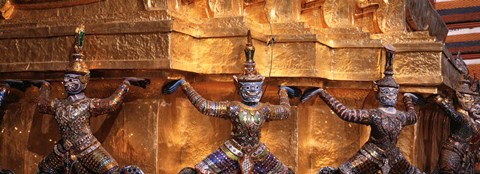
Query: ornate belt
(84, 142)
(236, 152)
(62, 149)
(378, 156)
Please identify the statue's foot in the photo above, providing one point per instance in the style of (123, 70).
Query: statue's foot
(188, 170)
(328, 170)
(131, 170)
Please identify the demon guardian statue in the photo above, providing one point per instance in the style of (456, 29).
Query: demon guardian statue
(243, 152)
(380, 152)
(78, 151)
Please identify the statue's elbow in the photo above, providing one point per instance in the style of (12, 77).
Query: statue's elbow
(288, 113)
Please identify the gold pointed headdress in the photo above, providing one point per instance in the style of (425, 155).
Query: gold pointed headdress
(387, 80)
(77, 65)
(250, 73)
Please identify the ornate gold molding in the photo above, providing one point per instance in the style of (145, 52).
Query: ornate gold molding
(302, 47)
(308, 5)
(368, 9)
(421, 16)
(27, 5)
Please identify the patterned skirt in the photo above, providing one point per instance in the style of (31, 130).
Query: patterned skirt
(230, 158)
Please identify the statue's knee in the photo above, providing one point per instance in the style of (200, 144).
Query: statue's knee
(188, 170)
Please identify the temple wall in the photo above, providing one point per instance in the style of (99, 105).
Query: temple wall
(315, 45)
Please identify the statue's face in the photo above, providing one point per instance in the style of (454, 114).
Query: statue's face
(251, 92)
(73, 84)
(387, 96)
(466, 101)
(475, 111)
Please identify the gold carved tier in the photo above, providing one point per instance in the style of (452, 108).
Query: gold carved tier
(331, 40)
(332, 43)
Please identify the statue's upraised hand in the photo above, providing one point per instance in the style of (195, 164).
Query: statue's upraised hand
(140, 82)
(292, 91)
(172, 86)
(17, 84)
(416, 98)
(309, 93)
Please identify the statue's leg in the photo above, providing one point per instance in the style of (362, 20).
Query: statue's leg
(79, 168)
(51, 164)
(450, 160)
(218, 162)
(403, 166)
(188, 170)
(361, 162)
(268, 163)
(99, 161)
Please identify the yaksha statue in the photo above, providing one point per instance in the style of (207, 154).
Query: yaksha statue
(380, 152)
(458, 154)
(78, 151)
(243, 153)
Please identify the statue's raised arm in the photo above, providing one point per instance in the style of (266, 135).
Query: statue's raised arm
(361, 116)
(206, 107)
(112, 103)
(283, 110)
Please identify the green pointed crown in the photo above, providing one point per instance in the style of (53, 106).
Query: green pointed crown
(77, 65)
